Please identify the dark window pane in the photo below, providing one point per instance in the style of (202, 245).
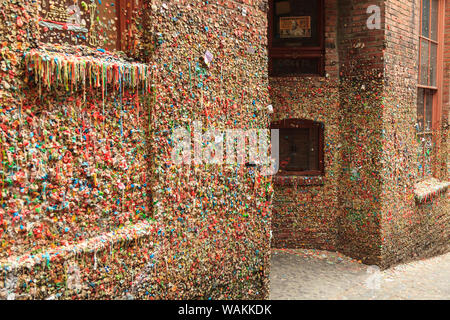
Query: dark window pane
(299, 149)
(294, 147)
(433, 64)
(314, 152)
(434, 19)
(424, 62)
(426, 18)
(293, 67)
(428, 110)
(420, 110)
(296, 23)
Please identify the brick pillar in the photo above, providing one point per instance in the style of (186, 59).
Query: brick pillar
(361, 71)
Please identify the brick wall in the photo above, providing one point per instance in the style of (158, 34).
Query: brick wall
(361, 70)
(205, 231)
(216, 217)
(371, 148)
(305, 216)
(342, 214)
(402, 216)
(69, 162)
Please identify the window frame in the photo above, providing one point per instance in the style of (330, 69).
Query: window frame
(294, 123)
(298, 52)
(437, 90)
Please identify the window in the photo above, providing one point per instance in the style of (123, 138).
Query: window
(296, 37)
(103, 24)
(429, 79)
(301, 147)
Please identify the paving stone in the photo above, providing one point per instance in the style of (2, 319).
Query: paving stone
(320, 275)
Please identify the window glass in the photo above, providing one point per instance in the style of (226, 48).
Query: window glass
(428, 110)
(299, 149)
(426, 18)
(433, 64)
(434, 19)
(420, 110)
(425, 109)
(296, 23)
(424, 61)
(294, 146)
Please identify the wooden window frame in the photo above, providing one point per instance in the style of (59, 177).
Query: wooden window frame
(438, 89)
(317, 52)
(437, 96)
(302, 124)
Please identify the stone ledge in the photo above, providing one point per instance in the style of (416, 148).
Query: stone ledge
(95, 244)
(428, 189)
(76, 68)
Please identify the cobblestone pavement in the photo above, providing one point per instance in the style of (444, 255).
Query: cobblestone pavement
(321, 275)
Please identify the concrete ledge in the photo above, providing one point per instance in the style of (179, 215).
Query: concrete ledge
(430, 188)
(95, 244)
(75, 69)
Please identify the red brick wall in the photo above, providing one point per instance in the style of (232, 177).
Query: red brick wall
(365, 207)
(342, 214)
(305, 216)
(359, 47)
(402, 216)
(361, 61)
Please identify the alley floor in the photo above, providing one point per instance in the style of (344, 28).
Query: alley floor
(318, 275)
